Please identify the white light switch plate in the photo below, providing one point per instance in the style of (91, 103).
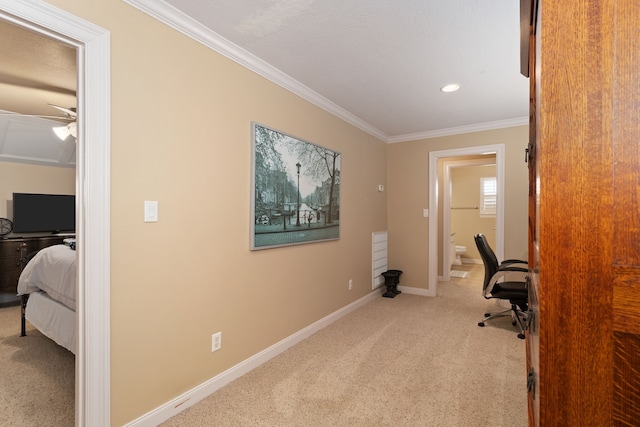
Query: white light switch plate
(150, 211)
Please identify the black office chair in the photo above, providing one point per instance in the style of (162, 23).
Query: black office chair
(506, 281)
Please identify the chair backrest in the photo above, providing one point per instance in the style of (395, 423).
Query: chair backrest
(489, 259)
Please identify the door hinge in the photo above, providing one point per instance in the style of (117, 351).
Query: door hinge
(531, 383)
(528, 153)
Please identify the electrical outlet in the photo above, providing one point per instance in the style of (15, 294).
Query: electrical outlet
(350, 284)
(216, 341)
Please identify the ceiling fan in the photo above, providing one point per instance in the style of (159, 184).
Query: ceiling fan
(71, 128)
(62, 132)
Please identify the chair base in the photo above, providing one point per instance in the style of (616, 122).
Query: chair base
(518, 317)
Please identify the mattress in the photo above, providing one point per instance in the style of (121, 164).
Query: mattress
(53, 319)
(53, 270)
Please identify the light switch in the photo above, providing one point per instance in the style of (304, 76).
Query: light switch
(150, 211)
(381, 188)
(425, 213)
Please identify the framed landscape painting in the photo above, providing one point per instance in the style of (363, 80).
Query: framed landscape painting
(295, 190)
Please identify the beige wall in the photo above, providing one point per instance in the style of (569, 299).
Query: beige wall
(408, 195)
(465, 223)
(180, 134)
(181, 117)
(28, 178)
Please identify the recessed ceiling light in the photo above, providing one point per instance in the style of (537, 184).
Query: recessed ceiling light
(450, 88)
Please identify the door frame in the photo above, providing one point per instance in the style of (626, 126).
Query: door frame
(434, 156)
(446, 207)
(92, 382)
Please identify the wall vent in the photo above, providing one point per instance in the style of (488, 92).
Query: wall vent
(379, 257)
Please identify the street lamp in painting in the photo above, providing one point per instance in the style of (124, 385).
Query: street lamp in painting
(298, 210)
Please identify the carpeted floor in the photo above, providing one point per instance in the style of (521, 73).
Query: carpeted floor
(407, 361)
(37, 377)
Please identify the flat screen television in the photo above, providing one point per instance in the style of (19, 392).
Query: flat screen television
(40, 213)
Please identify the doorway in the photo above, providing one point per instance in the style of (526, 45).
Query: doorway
(92, 196)
(463, 211)
(436, 207)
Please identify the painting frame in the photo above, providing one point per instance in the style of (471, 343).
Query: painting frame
(295, 190)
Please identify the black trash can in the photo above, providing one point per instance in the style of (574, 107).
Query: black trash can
(391, 281)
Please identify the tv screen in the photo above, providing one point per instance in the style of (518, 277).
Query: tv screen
(33, 213)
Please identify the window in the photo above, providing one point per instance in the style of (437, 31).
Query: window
(488, 196)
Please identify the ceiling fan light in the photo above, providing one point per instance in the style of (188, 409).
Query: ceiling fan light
(73, 129)
(62, 132)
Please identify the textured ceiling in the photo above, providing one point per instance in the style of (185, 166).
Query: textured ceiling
(35, 71)
(378, 64)
(384, 61)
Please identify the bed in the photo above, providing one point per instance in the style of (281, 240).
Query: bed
(47, 285)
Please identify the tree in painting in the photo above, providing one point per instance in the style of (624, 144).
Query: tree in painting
(296, 194)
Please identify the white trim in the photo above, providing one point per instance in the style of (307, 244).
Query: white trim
(477, 127)
(446, 217)
(188, 26)
(499, 149)
(179, 21)
(196, 394)
(92, 195)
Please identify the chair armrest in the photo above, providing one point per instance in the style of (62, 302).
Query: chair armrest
(514, 261)
(508, 274)
(514, 267)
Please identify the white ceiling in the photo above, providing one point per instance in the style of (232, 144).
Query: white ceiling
(378, 63)
(34, 71)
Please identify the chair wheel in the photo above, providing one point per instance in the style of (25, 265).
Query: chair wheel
(521, 336)
(480, 323)
(487, 314)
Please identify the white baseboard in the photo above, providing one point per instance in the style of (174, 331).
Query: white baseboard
(416, 291)
(191, 397)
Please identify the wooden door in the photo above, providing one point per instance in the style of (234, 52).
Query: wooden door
(585, 214)
(575, 206)
(626, 214)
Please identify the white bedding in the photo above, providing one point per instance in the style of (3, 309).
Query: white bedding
(53, 270)
(53, 319)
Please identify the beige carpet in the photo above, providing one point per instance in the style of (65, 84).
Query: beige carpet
(37, 378)
(407, 361)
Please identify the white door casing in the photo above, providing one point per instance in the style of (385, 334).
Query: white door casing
(92, 197)
(499, 151)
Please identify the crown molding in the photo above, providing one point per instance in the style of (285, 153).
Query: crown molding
(179, 21)
(478, 127)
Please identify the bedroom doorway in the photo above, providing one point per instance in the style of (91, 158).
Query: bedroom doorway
(92, 382)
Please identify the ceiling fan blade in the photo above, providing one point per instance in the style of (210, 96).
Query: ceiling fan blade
(69, 111)
(67, 119)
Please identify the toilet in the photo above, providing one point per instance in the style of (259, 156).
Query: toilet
(460, 250)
